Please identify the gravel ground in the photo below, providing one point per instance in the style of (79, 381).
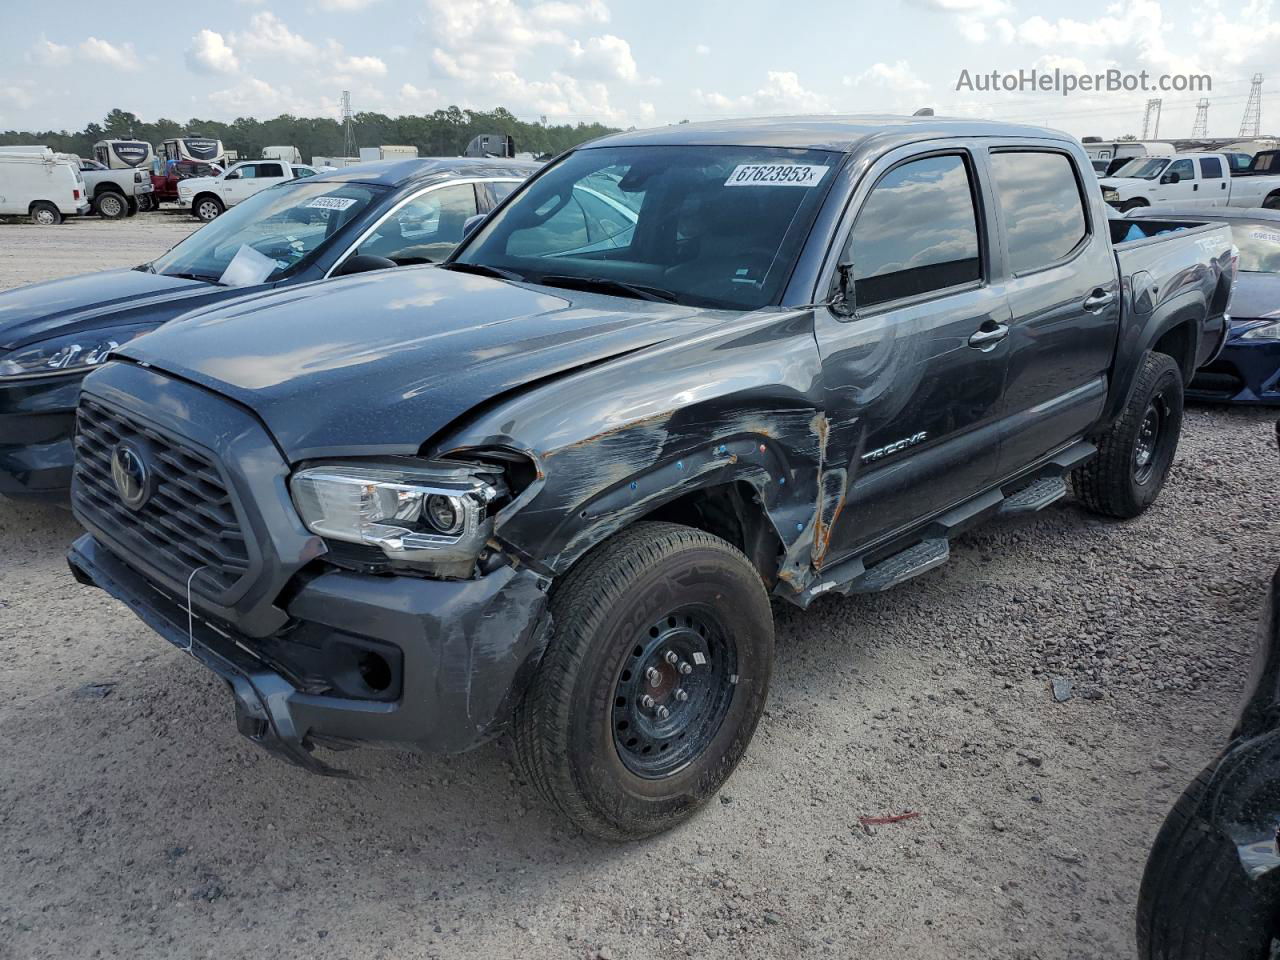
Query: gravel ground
(136, 823)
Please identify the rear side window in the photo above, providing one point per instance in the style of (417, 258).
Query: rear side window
(270, 170)
(1211, 168)
(917, 232)
(1041, 206)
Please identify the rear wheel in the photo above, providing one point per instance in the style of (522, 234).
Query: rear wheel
(45, 214)
(653, 682)
(1272, 202)
(207, 207)
(1134, 456)
(110, 205)
(132, 206)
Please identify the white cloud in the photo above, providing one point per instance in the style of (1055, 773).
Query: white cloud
(345, 6)
(608, 57)
(782, 93)
(49, 53)
(979, 8)
(122, 57)
(564, 13)
(480, 38)
(210, 53)
(975, 31)
(702, 50)
(897, 76)
(338, 63)
(16, 95)
(415, 100)
(269, 36)
(252, 97)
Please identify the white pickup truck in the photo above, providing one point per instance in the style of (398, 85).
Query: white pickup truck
(1189, 180)
(208, 197)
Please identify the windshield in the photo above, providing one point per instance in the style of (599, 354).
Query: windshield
(286, 224)
(1144, 168)
(708, 226)
(1259, 245)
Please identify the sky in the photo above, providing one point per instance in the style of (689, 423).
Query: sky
(628, 62)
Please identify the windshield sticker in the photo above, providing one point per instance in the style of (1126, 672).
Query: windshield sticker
(776, 175)
(247, 268)
(1266, 235)
(332, 203)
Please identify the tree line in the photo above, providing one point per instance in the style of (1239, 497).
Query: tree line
(444, 133)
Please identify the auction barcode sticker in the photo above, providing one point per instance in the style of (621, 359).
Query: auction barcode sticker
(331, 203)
(1266, 235)
(776, 175)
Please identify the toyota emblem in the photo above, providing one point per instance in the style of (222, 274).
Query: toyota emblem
(129, 471)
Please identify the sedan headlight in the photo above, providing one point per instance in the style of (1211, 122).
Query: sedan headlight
(1264, 331)
(71, 354)
(416, 511)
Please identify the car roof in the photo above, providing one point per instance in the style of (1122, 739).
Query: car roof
(1206, 213)
(399, 173)
(836, 133)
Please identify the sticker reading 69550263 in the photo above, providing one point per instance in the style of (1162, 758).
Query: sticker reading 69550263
(776, 175)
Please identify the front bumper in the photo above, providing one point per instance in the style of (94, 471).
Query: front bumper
(463, 653)
(37, 419)
(1245, 372)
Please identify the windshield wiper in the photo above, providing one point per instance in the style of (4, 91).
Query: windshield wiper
(482, 270)
(605, 285)
(193, 276)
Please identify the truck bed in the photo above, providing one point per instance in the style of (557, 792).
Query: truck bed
(1127, 234)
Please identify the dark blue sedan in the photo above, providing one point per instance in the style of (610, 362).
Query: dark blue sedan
(1248, 369)
(367, 217)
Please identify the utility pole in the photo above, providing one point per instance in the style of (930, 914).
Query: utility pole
(1151, 120)
(348, 129)
(1200, 128)
(1251, 123)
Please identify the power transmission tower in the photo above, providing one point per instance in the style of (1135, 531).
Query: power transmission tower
(1152, 114)
(1200, 128)
(348, 129)
(1251, 123)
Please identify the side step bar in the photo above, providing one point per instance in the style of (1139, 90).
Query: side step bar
(852, 576)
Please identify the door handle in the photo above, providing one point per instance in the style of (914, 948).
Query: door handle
(1097, 300)
(988, 338)
(1195, 187)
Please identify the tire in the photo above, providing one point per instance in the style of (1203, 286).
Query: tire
(144, 203)
(207, 207)
(582, 735)
(1196, 901)
(1132, 205)
(132, 207)
(45, 214)
(1272, 202)
(110, 205)
(1134, 455)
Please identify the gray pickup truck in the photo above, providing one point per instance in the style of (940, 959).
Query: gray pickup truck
(549, 486)
(115, 193)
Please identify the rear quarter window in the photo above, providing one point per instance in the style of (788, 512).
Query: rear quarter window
(1041, 205)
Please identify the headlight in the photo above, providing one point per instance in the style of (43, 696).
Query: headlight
(1264, 331)
(1109, 194)
(72, 354)
(416, 511)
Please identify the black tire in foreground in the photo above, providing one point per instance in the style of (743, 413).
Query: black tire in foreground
(45, 214)
(110, 205)
(1135, 454)
(652, 684)
(1196, 902)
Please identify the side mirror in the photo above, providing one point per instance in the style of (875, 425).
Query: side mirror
(235, 175)
(1170, 178)
(363, 263)
(469, 225)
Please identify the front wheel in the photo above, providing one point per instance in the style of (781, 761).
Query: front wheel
(1134, 456)
(1132, 205)
(652, 684)
(208, 208)
(111, 205)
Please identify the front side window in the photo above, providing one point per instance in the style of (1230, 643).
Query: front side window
(426, 229)
(1041, 206)
(917, 232)
(288, 223)
(1211, 168)
(702, 225)
(1182, 168)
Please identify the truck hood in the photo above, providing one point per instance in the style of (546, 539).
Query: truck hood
(1119, 183)
(378, 363)
(97, 300)
(193, 184)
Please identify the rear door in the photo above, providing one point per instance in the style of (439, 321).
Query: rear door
(1214, 183)
(269, 173)
(914, 364)
(1065, 299)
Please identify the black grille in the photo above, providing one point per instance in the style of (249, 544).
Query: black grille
(189, 520)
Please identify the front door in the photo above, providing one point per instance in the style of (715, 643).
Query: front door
(914, 365)
(1179, 184)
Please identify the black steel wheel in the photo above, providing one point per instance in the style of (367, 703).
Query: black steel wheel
(673, 692)
(652, 683)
